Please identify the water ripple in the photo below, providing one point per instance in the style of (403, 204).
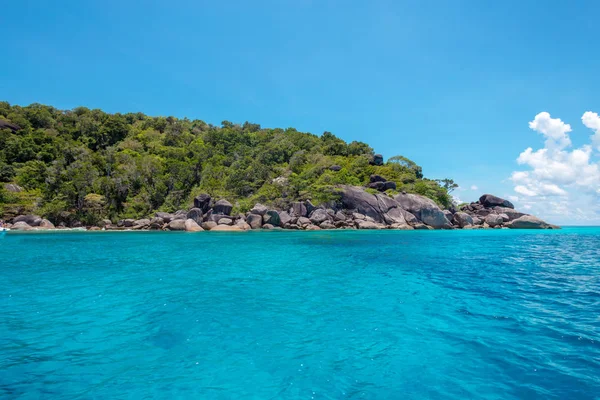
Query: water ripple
(297, 315)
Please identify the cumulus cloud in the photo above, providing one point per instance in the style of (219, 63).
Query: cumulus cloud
(553, 129)
(474, 187)
(592, 121)
(557, 176)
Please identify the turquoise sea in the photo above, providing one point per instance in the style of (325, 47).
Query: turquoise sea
(495, 314)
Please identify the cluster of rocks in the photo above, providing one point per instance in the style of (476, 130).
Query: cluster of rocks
(29, 222)
(494, 212)
(378, 182)
(356, 209)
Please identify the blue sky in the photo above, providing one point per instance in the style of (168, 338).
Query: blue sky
(452, 85)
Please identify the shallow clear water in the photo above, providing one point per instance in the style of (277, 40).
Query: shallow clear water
(494, 314)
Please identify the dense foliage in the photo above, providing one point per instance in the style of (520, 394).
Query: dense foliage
(86, 164)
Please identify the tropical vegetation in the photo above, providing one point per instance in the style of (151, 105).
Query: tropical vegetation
(85, 164)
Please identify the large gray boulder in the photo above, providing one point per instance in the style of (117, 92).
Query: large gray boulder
(202, 202)
(380, 207)
(243, 225)
(310, 207)
(448, 214)
(182, 216)
(31, 220)
(195, 214)
(272, 217)
(21, 226)
(489, 201)
(222, 207)
(9, 125)
(396, 215)
(303, 221)
(389, 185)
(298, 209)
(377, 186)
(327, 225)
(494, 220)
(377, 178)
(484, 212)
(192, 226)
(259, 209)
(339, 216)
(530, 222)
(510, 213)
(176, 225)
(368, 225)
(254, 220)
(318, 216)
(45, 224)
(208, 225)
(377, 159)
(285, 218)
(166, 217)
(424, 209)
(462, 219)
(156, 223)
(129, 222)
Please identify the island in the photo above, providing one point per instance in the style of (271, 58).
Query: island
(87, 169)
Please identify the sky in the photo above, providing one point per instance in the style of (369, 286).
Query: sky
(498, 95)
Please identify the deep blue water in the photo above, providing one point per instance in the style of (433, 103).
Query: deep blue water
(495, 314)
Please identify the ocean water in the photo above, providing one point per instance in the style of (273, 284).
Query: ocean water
(496, 314)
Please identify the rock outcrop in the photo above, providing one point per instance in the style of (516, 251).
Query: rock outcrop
(529, 222)
(31, 220)
(9, 125)
(462, 219)
(202, 202)
(195, 214)
(377, 159)
(356, 208)
(380, 207)
(222, 207)
(21, 226)
(495, 212)
(176, 225)
(489, 201)
(192, 226)
(424, 209)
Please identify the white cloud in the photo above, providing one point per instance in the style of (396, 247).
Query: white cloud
(525, 191)
(553, 129)
(559, 181)
(474, 187)
(592, 121)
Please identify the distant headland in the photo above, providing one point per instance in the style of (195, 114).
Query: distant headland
(87, 168)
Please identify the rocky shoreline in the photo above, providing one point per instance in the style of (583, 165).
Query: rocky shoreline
(357, 208)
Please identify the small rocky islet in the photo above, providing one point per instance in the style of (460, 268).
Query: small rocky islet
(357, 208)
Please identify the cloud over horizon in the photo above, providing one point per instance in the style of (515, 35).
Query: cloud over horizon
(560, 182)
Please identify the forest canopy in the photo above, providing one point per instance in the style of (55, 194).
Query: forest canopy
(85, 165)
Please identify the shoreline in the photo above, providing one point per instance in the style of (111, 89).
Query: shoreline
(281, 230)
(356, 209)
